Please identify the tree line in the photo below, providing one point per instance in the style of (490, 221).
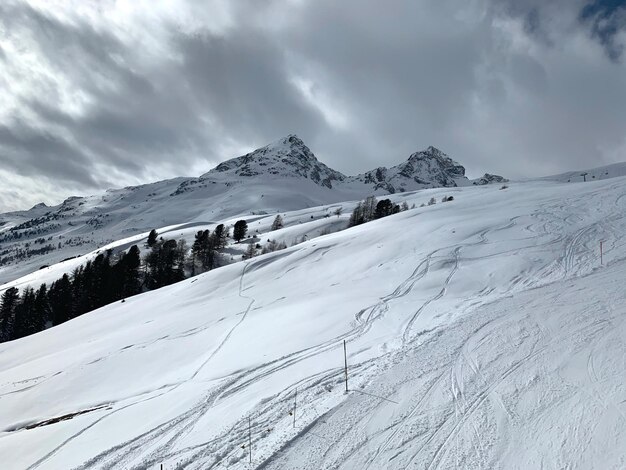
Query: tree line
(107, 279)
(372, 209)
(93, 285)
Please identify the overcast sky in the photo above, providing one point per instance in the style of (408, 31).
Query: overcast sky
(97, 94)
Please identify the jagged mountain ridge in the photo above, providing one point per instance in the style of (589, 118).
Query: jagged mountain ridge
(284, 175)
(426, 169)
(291, 158)
(288, 157)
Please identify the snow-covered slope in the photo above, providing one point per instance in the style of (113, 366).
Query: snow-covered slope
(282, 176)
(481, 333)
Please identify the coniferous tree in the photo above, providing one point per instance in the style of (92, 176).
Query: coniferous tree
(240, 230)
(132, 263)
(357, 217)
(8, 302)
(42, 306)
(152, 237)
(203, 250)
(165, 263)
(219, 236)
(369, 208)
(101, 282)
(60, 298)
(125, 280)
(27, 320)
(154, 265)
(278, 223)
(250, 251)
(82, 290)
(383, 208)
(180, 255)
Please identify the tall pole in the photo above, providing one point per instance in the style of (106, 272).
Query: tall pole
(345, 358)
(250, 439)
(295, 400)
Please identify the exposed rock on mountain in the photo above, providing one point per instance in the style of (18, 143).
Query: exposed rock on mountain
(488, 178)
(430, 168)
(287, 157)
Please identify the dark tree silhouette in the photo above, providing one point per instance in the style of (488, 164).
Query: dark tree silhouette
(240, 230)
(152, 237)
(8, 303)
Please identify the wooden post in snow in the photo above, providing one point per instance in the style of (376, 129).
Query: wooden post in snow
(601, 255)
(345, 359)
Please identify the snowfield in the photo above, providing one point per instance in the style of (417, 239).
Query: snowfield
(481, 333)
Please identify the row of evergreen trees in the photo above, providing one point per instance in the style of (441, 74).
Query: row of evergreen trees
(107, 279)
(371, 209)
(97, 283)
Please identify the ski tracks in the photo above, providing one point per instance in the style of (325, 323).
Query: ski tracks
(406, 335)
(162, 429)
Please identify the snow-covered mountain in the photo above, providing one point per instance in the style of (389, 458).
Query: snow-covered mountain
(430, 168)
(480, 333)
(286, 158)
(291, 158)
(282, 176)
(488, 178)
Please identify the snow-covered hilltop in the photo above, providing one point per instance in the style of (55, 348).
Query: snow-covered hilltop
(281, 176)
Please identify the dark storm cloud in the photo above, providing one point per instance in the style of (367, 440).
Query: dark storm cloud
(170, 113)
(520, 87)
(603, 20)
(607, 19)
(244, 78)
(27, 152)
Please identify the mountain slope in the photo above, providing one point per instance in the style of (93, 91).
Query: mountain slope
(472, 327)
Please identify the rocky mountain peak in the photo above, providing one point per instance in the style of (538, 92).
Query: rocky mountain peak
(432, 167)
(286, 157)
(41, 205)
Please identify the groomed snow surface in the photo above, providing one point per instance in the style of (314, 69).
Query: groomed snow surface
(481, 333)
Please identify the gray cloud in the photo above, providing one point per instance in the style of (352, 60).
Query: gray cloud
(607, 19)
(115, 97)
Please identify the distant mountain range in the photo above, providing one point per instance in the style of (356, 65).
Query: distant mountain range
(291, 158)
(281, 176)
